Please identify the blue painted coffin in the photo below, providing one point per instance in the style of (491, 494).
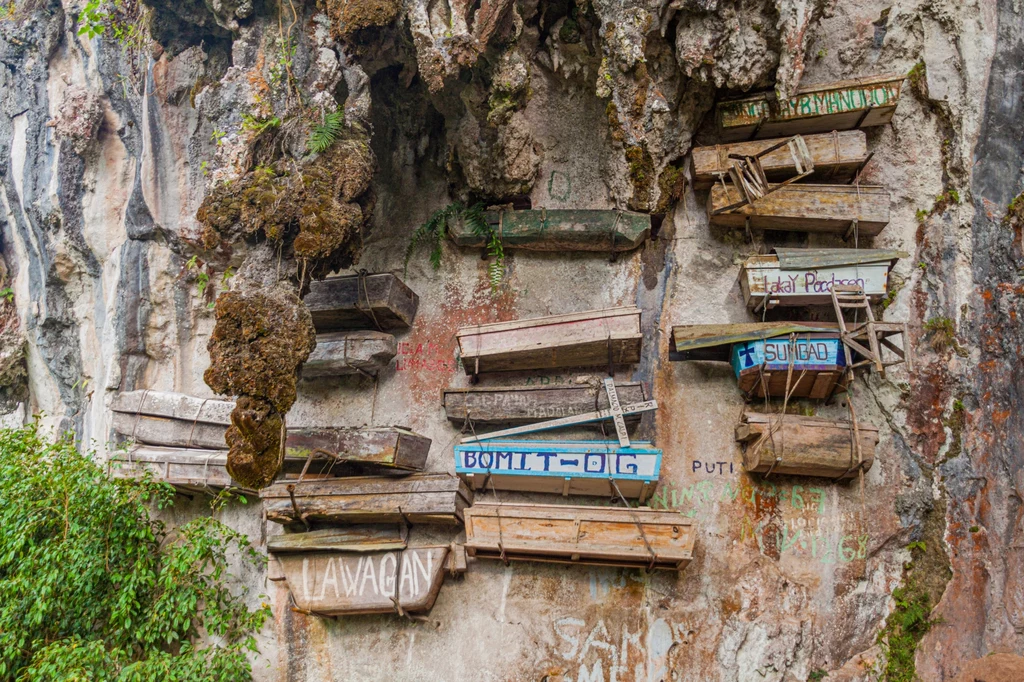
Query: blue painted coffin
(819, 353)
(561, 467)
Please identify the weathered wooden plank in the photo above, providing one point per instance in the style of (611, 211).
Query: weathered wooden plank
(173, 406)
(388, 446)
(561, 467)
(348, 538)
(808, 446)
(348, 583)
(185, 469)
(714, 342)
(561, 230)
(583, 535)
(841, 105)
(765, 282)
(353, 352)
(806, 208)
(598, 337)
(837, 156)
(169, 432)
(513, 406)
(417, 498)
(378, 301)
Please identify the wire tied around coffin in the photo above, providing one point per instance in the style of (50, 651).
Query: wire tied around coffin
(488, 479)
(639, 526)
(366, 294)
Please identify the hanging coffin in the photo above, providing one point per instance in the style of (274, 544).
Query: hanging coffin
(836, 156)
(381, 301)
(588, 339)
(560, 467)
(807, 446)
(843, 105)
(390, 447)
(417, 498)
(760, 354)
(847, 210)
(188, 470)
(357, 352)
(171, 419)
(529, 404)
(359, 571)
(797, 277)
(561, 230)
(601, 536)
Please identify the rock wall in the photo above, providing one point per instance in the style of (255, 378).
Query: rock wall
(110, 147)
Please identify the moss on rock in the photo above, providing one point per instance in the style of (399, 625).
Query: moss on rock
(260, 340)
(671, 187)
(349, 16)
(641, 176)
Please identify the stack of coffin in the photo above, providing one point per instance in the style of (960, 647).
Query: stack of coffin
(181, 439)
(353, 316)
(776, 359)
(594, 338)
(560, 230)
(747, 123)
(406, 579)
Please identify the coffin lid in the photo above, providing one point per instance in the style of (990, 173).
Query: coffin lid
(714, 341)
(808, 259)
(804, 89)
(349, 539)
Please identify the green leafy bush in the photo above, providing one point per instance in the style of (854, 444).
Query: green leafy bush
(93, 588)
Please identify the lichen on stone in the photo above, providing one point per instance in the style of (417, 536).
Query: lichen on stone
(259, 342)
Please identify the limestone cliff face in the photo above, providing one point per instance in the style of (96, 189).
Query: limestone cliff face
(109, 149)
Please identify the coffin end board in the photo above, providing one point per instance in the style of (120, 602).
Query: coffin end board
(337, 583)
(375, 301)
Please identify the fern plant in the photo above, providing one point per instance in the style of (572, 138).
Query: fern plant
(327, 133)
(434, 230)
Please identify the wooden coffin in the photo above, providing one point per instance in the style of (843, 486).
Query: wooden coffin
(561, 230)
(837, 156)
(818, 365)
(517, 405)
(797, 277)
(354, 581)
(561, 467)
(171, 419)
(187, 470)
(601, 536)
(392, 447)
(356, 352)
(417, 498)
(843, 105)
(588, 339)
(807, 446)
(353, 538)
(806, 208)
(381, 301)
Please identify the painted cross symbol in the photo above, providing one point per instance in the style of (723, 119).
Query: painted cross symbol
(746, 352)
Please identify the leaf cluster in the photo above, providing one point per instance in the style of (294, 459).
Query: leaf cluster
(327, 133)
(91, 587)
(434, 230)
